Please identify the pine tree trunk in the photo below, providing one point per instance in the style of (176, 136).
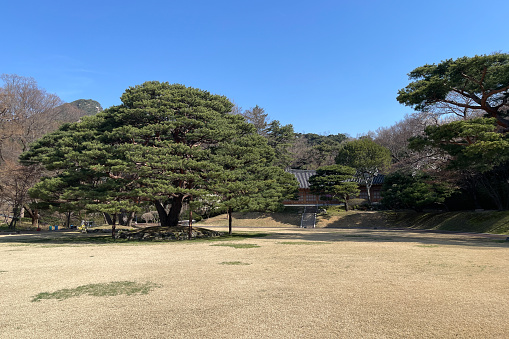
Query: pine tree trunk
(130, 218)
(230, 220)
(170, 218)
(68, 219)
(108, 218)
(190, 224)
(113, 226)
(174, 213)
(161, 211)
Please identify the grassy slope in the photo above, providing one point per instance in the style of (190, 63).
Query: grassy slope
(254, 219)
(480, 222)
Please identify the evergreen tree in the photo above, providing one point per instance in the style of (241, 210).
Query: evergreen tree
(334, 182)
(418, 190)
(476, 83)
(367, 157)
(161, 146)
(281, 138)
(474, 149)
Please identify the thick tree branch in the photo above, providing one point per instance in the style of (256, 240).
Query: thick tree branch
(459, 104)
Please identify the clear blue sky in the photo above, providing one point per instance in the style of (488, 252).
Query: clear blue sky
(323, 66)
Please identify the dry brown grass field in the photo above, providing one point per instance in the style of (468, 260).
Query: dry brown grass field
(291, 283)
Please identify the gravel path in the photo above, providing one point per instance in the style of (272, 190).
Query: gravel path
(299, 283)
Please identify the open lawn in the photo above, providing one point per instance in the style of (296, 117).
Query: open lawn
(290, 283)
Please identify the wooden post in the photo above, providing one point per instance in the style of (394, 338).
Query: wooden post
(230, 220)
(113, 226)
(190, 222)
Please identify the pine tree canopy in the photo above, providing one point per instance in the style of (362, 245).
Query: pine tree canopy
(166, 144)
(476, 83)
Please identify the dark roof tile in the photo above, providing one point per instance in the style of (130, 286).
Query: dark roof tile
(304, 175)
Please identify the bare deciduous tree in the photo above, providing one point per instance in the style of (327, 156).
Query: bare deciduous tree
(257, 116)
(16, 181)
(26, 113)
(396, 137)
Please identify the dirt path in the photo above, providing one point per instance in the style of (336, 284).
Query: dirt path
(357, 283)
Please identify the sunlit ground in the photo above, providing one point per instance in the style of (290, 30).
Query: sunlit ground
(291, 283)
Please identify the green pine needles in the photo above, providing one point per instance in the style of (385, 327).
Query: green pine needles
(167, 146)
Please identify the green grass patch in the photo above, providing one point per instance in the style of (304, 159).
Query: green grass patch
(334, 210)
(99, 290)
(303, 242)
(234, 263)
(237, 236)
(427, 246)
(237, 245)
(368, 237)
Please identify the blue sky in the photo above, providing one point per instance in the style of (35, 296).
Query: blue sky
(326, 67)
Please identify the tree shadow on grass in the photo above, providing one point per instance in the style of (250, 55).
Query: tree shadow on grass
(74, 238)
(53, 238)
(324, 235)
(366, 235)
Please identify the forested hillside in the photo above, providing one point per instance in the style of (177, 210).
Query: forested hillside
(294, 150)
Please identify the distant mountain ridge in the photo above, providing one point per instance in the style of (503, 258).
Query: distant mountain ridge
(74, 111)
(91, 107)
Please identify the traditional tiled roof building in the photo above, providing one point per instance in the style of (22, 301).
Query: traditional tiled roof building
(307, 198)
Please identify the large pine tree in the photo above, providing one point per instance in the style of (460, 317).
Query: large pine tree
(162, 146)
